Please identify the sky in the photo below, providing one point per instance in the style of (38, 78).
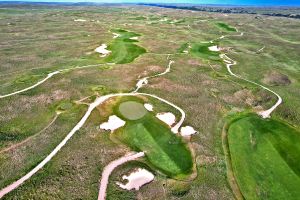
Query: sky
(227, 2)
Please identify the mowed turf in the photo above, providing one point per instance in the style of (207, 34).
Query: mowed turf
(265, 157)
(225, 27)
(123, 50)
(165, 151)
(201, 50)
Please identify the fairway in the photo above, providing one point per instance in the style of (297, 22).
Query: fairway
(164, 150)
(265, 158)
(225, 27)
(201, 50)
(123, 50)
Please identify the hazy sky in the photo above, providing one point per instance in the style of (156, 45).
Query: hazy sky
(232, 2)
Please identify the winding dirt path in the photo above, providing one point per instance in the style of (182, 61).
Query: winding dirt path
(29, 138)
(110, 167)
(48, 77)
(266, 113)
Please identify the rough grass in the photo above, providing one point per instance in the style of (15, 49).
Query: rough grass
(265, 157)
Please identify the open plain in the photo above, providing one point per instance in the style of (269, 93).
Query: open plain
(233, 79)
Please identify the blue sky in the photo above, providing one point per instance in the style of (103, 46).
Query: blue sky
(230, 2)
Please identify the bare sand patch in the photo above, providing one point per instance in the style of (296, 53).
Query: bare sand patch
(148, 107)
(187, 131)
(214, 48)
(102, 50)
(168, 117)
(79, 20)
(113, 123)
(116, 35)
(136, 179)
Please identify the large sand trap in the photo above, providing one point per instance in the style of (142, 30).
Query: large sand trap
(136, 179)
(168, 118)
(102, 50)
(113, 123)
(214, 48)
(79, 20)
(148, 106)
(187, 131)
(134, 38)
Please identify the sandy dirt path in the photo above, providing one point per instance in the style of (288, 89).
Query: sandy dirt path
(29, 138)
(48, 77)
(266, 113)
(110, 167)
(144, 81)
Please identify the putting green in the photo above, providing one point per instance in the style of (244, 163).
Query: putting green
(132, 110)
(265, 157)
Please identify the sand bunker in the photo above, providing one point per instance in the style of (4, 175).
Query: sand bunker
(113, 123)
(102, 50)
(134, 38)
(187, 131)
(168, 118)
(148, 107)
(214, 48)
(116, 35)
(136, 179)
(79, 20)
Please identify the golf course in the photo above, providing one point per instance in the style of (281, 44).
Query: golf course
(149, 102)
(165, 151)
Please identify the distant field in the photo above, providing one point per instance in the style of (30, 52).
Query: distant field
(265, 158)
(226, 27)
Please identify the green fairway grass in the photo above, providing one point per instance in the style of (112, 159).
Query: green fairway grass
(123, 50)
(225, 27)
(164, 150)
(265, 158)
(201, 50)
(132, 110)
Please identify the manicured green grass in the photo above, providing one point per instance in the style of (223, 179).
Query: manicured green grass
(265, 157)
(164, 150)
(123, 50)
(183, 47)
(225, 27)
(201, 50)
(132, 110)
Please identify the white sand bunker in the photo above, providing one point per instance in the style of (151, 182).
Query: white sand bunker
(169, 118)
(136, 179)
(134, 38)
(187, 131)
(116, 35)
(148, 106)
(102, 50)
(214, 48)
(113, 123)
(79, 20)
